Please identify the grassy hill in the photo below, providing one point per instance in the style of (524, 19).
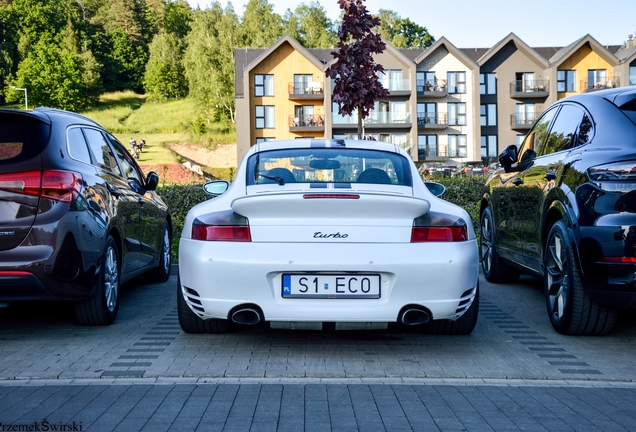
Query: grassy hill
(129, 115)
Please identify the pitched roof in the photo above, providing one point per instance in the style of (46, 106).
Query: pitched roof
(243, 57)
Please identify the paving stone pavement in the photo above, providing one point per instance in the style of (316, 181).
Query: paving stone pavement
(143, 373)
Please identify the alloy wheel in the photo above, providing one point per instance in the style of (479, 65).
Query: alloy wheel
(111, 279)
(557, 277)
(166, 251)
(486, 243)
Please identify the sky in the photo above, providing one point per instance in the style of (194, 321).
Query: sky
(483, 23)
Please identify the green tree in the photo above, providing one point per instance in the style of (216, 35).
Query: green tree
(355, 73)
(209, 59)
(260, 26)
(178, 17)
(310, 26)
(164, 77)
(402, 32)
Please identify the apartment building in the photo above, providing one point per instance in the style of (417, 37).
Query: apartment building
(445, 103)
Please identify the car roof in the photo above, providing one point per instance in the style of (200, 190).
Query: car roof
(49, 115)
(326, 143)
(618, 96)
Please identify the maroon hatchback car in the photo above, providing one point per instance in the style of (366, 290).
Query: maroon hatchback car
(77, 215)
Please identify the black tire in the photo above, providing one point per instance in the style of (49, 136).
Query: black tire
(493, 267)
(102, 307)
(161, 273)
(191, 323)
(570, 310)
(463, 325)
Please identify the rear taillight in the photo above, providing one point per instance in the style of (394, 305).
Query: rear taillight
(617, 176)
(618, 260)
(222, 226)
(57, 185)
(331, 196)
(438, 227)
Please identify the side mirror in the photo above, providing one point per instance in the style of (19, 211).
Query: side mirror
(436, 189)
(508, 156)
(152, 180)
(216, 187)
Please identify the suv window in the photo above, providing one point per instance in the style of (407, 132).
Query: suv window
(102, 153)
(127, 164)
(77, 146)
(563, 134)
(537, 136)
(21, 137)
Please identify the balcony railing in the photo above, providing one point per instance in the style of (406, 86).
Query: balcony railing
(432, 120)
(599, 85)
(397, 85)
(374, 118)
(436, 88)
(523, 120)
(312, 89)
(307, 122)
(530, 88)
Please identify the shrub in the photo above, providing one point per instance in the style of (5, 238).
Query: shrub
(465, 192)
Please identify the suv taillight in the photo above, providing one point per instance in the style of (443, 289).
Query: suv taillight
(617, 176)
(222, 226)
(438, 227)
(57, 185)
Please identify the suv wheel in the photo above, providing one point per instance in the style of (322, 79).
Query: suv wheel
(495, 270)
(571, 311)
(161, 273)
(102, 307)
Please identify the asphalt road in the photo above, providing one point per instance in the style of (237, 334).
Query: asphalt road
(143, 373)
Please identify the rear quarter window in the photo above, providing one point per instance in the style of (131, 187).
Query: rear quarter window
(21, 137)
(630, 110)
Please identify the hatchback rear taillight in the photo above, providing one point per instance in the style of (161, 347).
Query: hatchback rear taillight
(57, 185)
(438, 227)
(616, 176)
(221, 226)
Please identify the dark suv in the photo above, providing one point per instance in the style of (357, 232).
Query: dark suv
(563, 207)
(77, 216)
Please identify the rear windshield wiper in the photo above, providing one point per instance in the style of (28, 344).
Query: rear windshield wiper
(278, 180)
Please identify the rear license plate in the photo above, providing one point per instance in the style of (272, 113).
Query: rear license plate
(339, 286)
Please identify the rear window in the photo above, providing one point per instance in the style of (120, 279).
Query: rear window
(328, 165)
(21, 137)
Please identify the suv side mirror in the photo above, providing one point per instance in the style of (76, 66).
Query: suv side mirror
(216, 187)
(152, 180)
(508, 156)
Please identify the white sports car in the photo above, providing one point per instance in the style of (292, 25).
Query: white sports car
(338, 233)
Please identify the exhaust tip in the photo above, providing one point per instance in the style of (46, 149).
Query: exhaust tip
(246, 316)
(414, 316)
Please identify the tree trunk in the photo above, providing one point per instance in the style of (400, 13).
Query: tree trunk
(359, 124)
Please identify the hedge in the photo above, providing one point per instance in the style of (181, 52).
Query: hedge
(463, 191)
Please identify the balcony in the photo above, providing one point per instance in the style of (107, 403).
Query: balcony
(435, 89)
(609, 83)
(384, 119)
(309, 91)
(306, 123)
(523, 121)
(432, 120)
(529, 89)
(398, 87)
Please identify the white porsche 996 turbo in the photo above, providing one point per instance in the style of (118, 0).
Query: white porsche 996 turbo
(327, 231)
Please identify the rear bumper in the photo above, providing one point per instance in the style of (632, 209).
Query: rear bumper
(224, 275)
(20, 288)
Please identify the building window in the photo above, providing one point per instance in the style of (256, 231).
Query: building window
(392, 80)
(263, 85)
(302, 83)
(426, 146)
(425, 81)
(526, 114)
(457, 114)
(632, 75)
(265, 117)
(488, 149)
(519, 139)
(596, 78)
(565, 80)
(488, 113)
(457, 146)
(488, 83)
(426, 113)
(457, 82)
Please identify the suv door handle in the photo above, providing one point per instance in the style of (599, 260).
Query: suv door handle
(113, 190)
(518, 182)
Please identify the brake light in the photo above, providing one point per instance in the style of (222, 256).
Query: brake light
(617, 176)
(438, 227)
(14, 273)
(331, 196)
(57, 185)
(218, 227)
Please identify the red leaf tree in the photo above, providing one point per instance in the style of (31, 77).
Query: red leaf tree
(355, 72)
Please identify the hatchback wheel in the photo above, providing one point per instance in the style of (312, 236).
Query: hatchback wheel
(495, 270)
(102, 307)
(571, 311)
(161, 273)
